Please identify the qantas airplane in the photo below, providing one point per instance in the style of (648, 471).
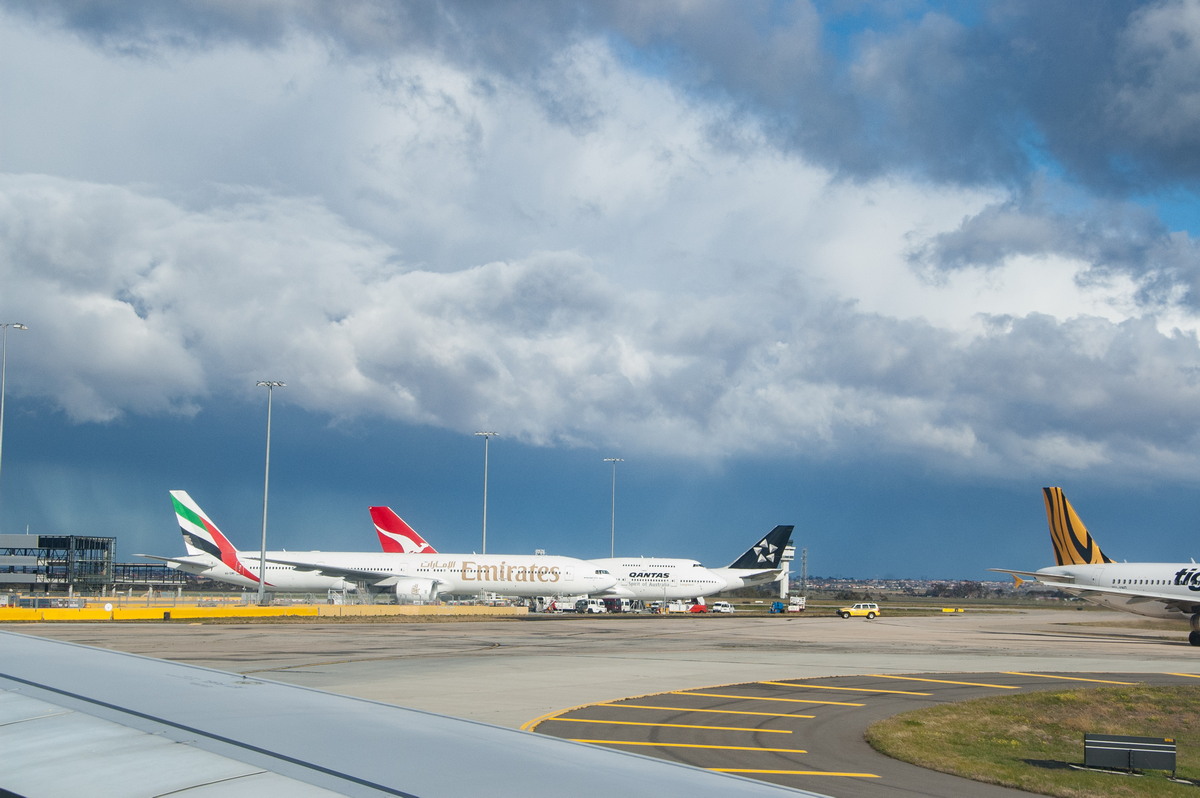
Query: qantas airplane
(409, 575)
(1159, 590)
(663, 579)
(647, 578)
(396, 536)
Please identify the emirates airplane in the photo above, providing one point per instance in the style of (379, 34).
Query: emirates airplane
(1156, 589)
(646, 578)
(410, 576)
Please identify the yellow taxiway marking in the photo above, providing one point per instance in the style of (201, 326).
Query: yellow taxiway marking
(797, 773)
(669, 725)
(946, 681)
(1189, 675)
(718, 711)
(760, 698)
(1064, 678)
(851, 689)
(693, 745)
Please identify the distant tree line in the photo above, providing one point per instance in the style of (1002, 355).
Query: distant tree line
(964, 589)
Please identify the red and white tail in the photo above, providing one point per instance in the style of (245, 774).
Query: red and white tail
(396, 536)
(201, 536)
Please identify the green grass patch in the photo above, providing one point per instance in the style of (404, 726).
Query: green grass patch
(1029, 741)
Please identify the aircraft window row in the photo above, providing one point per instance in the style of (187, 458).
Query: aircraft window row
(1142, 582)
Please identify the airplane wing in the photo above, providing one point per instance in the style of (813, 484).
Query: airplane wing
(190, 564)
(1047, 579)
(414, 585)
(324, 569)
(1094, 592)
(178, 560)
(77, 720)
(1132, 597)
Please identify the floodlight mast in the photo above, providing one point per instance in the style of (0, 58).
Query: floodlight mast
(612, 545)
(270, 385)
(4, 371)
(487, 436)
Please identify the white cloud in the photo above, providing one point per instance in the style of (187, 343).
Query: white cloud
(576, 258)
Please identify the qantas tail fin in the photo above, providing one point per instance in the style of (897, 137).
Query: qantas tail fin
(201, 536)
(396, 536)
(1073, 544)
(766, 553)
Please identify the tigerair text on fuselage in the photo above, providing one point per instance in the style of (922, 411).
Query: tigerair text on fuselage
(1189, 577)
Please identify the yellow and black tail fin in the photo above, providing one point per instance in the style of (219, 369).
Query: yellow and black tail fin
(1073, 545)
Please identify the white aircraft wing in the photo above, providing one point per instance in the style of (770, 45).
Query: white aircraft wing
(1131, 596)
(376, 578)
(1049, 579)
(77, 720)
(192, 565)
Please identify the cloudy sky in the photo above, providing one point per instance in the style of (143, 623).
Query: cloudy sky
(881, 271)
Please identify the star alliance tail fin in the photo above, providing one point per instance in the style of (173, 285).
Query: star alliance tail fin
(768, 552)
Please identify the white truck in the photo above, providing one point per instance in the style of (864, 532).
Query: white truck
(588, 606)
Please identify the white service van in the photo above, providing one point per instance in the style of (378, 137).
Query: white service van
(590, 605)
(720, 606)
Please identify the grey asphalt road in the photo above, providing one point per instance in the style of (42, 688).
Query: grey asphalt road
(513, 672)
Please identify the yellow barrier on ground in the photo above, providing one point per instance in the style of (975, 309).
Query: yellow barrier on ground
(192, 612)
(952, 609)
(335, 610)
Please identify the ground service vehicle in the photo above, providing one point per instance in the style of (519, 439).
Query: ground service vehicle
(861, 610)
(720, 606)
(590, 605)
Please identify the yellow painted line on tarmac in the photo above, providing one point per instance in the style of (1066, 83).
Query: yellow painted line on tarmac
(1188, 675)
(945, 681)
(796, 773)
(850, 689)
(718, 711)
(1064, 678)
(693, 745)
(669, 725)
(760, 698)
(533, 724)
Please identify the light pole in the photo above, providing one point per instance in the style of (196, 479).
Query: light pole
(487, 436)
(3, 370)
(270, 385)
(612, 547)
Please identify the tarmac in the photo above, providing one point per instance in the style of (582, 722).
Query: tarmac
(512, 672)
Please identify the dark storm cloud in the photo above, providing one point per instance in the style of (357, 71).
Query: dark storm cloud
(1110, 239)
(1096, 90)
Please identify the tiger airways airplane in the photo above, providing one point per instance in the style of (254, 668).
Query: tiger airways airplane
(409, 576)
(1157, 590)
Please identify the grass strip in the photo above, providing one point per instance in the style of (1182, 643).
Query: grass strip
(1029, 741)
